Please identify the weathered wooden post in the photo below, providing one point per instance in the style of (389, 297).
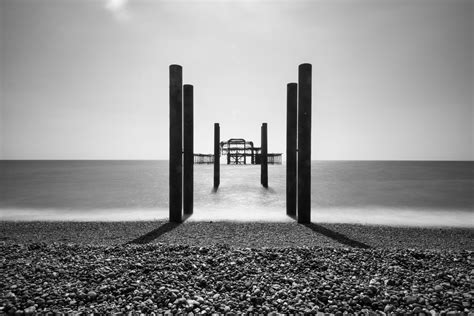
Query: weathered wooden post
(304, 143)
(264, 157)
(217, 156)
(176, 143)
(188, 139)
(291, 126)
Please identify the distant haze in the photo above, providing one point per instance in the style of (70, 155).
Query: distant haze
(89, 79)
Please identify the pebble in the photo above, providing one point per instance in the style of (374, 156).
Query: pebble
(411, 299)
(177, 279)
(30, 310)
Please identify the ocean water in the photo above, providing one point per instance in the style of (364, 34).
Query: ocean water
(367, 192)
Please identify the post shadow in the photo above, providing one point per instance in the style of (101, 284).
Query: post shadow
(340, 238)
(156, 233)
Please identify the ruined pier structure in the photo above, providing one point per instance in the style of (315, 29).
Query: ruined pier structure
(238, 151)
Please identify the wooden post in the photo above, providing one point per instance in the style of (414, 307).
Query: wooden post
(176, 143)
(304, 143)
(291, 142)
(264, 157)
(188, 144)
(217, 156)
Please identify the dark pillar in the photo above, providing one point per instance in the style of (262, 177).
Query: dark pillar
(304, 143)
(188, 144)
(264, 157)
(291, 126)
(176, 142)
(245, 155)
(217, 156)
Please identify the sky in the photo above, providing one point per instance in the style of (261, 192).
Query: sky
(392, 79)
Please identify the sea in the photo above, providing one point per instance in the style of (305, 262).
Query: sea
(398, 193)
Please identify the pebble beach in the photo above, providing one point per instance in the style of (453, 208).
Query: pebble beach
(226, 267)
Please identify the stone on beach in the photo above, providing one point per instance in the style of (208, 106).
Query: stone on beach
(170, 279)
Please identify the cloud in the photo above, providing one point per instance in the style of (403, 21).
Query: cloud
(119, 9)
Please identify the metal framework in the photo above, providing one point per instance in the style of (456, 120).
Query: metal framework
(203, 158)
(237, 151)
(242, 152)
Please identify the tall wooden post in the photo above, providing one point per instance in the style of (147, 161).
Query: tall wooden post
(291, 142)
(188, 140)
(176, 143)
(264, 157)
(304, 143)
(217, 156)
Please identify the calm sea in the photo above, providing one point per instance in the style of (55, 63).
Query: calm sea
(373, 192)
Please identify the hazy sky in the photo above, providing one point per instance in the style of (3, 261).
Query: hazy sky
(89, 79)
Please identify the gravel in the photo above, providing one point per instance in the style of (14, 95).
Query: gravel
(59, 277)
(234, 267)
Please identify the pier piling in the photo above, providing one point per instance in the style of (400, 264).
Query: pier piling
(291, 142)
(188, 148)
(304, 143)
(216, 156)
(264, 157)
(176, 143)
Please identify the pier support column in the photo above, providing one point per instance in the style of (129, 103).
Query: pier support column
(188, 144)
(176, 143)
(264, 157)
(217, 156)
(291, 142)
(304, 143)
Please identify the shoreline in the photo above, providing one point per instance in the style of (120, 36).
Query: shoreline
(358, 216)
(238, 234)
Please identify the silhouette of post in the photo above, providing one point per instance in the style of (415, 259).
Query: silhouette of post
(176, 143)
(291, 142)
(304, 143)
(217, 156)
(264, 157)
(188, 144)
